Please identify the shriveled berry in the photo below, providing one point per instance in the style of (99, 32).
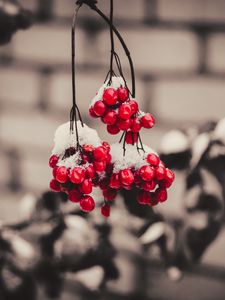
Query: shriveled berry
(53, 160)
(148, 120)
(86, 186)
(110, 117)
(87, 203)
(136, 125)
(55, 185)
(146, 173)
(161, 195)
(153, 159)
(123, 94)
(61, 174)
(99, 108)
(110, 96)
(109, 194)
(99, 166)
(77, 175)
(113, 129)
(74, 196)
(126, 177)
(105, 210)
(125, 111)
(131, 137)
(144, 197)
(124, 124)
(100, 153)
(160, 172)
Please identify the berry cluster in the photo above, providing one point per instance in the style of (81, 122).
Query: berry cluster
(119, 112)
(148, 175)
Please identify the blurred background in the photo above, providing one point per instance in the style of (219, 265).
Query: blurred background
(178, 50)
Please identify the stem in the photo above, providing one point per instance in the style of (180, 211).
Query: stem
(112, 41)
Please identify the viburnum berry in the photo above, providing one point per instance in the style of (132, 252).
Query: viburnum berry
(77, 175)
(74, 196)
(169, 175)
(134, 106)
(88, 148)
(92, 113)
(161, 195)
(109, 194)
(160, 172)
(99, 108)
(99, 166)
(106, 146)
(55, 185)
(124, 124)
(110, 96)
(54, 171)
(110, 117)
(126, 177)
(61, 174)
(148, 120)
(149, 185)
(146, 173)
(53, 160)
(123, 94)
(144, 197)
(114, 182)
(86, 186)
(87, 203)
(113, 129)
(165, 183)
(108, 158)
(125, 111)
(136, 125)
(153, 159)
(104, 183)
(105, 210)
(131, 137)
(100, 153)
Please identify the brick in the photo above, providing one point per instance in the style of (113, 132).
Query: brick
(49, 44)
(216, 53)
(155, 50)
(192, 10)
(196, 99)
(28, 130)
(126, 9)
(18, 87)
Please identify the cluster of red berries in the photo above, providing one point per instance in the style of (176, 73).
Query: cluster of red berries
(79, 181)
(119, 112)
(151, 180)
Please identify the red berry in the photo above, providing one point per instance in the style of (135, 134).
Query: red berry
(55, 185)
(126, 177)
(54, 172)
(148, 186)
(146, 173)
(124, 124)
(89, 172)
(125, 111)
(61, 174)
(110, 117)
(131, 137)
(100, 153)
(87, 203)
(110, 96)
(77, 175)
(109, 194)
(92, 113)
(74, 196)
(105, 210)
(153, 159)
(148, 120)
(106, 146)
(104, 183)
(165, 183)
(86, 186)
(115, 182)
(99, 108)
(88, 148)
(134, 106)
(108, 158)
(144, 197)
(113, 129)
(123, 94)
(169, 175)
(53, 160)
(136, 125)
(160, 173)
(161, 195)
(99, 166)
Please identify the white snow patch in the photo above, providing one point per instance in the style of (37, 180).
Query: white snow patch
(173, 142)
(219, 132)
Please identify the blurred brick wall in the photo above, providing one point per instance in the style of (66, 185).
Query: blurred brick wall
(178, 48)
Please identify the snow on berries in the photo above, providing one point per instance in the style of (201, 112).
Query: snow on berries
(142, 171)
(77, 169)
(119, 111)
